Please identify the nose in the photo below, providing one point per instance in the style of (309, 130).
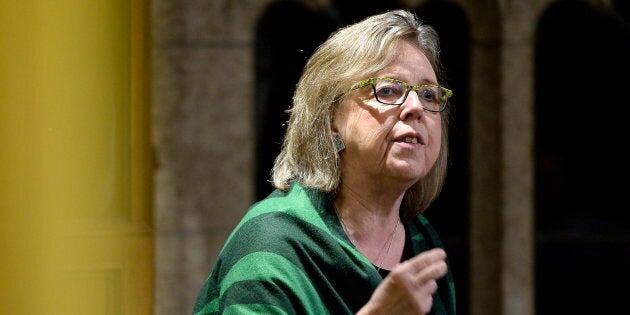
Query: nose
(412, 107)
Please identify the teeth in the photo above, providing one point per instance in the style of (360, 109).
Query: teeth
(411, 140)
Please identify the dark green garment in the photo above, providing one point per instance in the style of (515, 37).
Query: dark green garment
(289, 255)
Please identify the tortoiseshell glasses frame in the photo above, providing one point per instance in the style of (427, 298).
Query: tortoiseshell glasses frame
(389, 91)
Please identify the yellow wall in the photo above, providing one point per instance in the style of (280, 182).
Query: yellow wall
(75, 168)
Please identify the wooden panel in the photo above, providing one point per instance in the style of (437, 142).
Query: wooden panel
(85, 64)
(100, 275)
(93, 292)
(75, 212)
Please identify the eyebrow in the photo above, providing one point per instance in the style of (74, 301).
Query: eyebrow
(396, 77)
(423, 82)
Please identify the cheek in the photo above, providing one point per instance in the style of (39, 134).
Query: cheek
(435, 137)
(370, 133)
(364, 123)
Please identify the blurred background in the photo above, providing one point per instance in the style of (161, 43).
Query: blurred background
(136, 133)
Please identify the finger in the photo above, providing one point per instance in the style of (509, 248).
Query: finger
(426, 305)
(432, 272)
(424, 297)
(425, 259)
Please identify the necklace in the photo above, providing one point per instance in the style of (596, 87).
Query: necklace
(381, 256)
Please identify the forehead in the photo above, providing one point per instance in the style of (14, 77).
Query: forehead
(410, 64)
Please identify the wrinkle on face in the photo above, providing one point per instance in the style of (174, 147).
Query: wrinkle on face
(370, 129)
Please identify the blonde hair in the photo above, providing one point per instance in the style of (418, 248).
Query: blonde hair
(352, 53)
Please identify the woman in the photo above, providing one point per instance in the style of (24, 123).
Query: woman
(362, 158)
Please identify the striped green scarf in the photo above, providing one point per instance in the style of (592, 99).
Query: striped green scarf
(289, 255)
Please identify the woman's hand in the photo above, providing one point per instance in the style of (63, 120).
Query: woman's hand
(409, 286)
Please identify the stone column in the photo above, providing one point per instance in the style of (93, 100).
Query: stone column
(517, 159)
(202, 122)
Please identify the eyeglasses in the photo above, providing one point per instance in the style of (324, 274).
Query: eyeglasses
(394, 92)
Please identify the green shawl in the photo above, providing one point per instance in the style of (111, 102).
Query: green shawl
(289, 255)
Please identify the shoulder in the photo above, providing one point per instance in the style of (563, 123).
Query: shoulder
(278, 224)
(295, 207)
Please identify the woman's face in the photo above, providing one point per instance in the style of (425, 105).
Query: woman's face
(391, 145)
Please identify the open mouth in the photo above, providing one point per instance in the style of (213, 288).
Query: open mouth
(410, 140)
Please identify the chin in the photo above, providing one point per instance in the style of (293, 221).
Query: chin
(411, 176)
(408, 170)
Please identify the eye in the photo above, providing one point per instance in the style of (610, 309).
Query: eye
(389, 91)
(429, 94)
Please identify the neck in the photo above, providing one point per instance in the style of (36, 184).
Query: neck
(373, 206)
(372, 224)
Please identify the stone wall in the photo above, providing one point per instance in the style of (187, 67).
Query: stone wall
(202, 135)
(203, 96)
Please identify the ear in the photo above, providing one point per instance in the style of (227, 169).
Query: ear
(334, 129)
(337, 118)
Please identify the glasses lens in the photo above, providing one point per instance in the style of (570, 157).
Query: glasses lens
(431, 97)
(389, 92)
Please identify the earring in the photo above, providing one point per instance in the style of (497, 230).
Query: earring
(339, 143)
